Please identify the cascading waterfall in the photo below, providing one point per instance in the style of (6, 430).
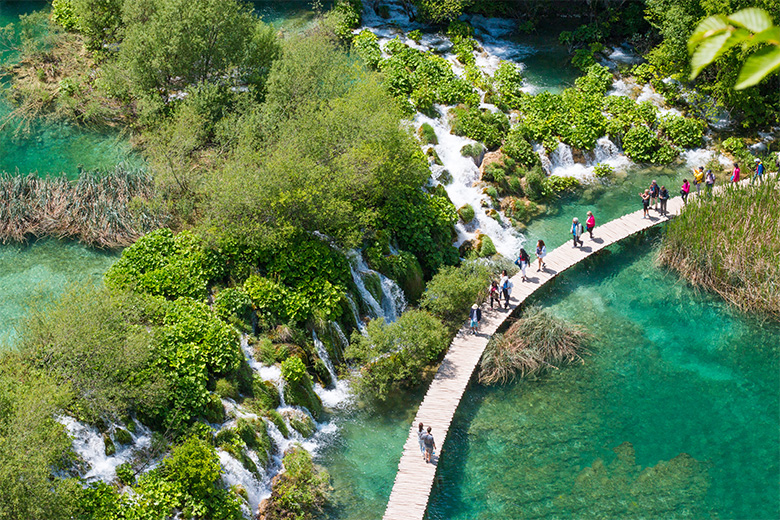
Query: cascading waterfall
(322, 352)
(392, 302)
(235, 474)
(89, 445)
(358, 322)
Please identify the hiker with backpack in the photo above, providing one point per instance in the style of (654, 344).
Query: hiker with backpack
(506, 287)
(523, 261)
(576, 231)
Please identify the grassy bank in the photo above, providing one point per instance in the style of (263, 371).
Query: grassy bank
(730, 245)
(103, 210)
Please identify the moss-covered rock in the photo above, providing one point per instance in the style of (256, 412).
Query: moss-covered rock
(276, 418)
(122, 436)
(300, 422)
(466, 213)
(214, 412)
(226, 389)
(322, 374)
(373, 285)
(299, 393)
(266, 393)
(109, 448)
(487, 248)
(427, 134)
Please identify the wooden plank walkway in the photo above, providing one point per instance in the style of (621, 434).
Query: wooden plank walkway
(414, 480)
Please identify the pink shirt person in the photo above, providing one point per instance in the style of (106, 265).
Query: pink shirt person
(735, 175)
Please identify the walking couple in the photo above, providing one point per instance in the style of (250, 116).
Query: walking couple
(576, 228)
(427, 444)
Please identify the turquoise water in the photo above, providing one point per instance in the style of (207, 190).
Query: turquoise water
(36, 274)
(672, 372)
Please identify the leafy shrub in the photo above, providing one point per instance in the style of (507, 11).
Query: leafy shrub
(265, 392)
(415, 35)
(508, 83)
(602, 170)
(366, 44)
(596, 81)
(487, 248)
(640, 144)
(453, 290)
(473, 150)
(583, 59)
(480, 125)
(300, 490)
(234, 305)
(298, 390)
(519, 149)
(63, 14)
(278, 421)
(125, 473)
(164, 264)
(683, 132)
(557, 184)
(466, 213)
(536, 184)
(428, 134)
(226, 389)
(644, 72)
(394, 355)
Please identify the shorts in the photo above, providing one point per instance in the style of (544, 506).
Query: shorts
(474, 323)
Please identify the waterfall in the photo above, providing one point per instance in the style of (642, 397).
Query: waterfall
(340, 334)
(393, 302)
(88, 444)
(562, 157)
(322, 352)
(235, 474)
(545, 160)
(606, 150)
(358, 322)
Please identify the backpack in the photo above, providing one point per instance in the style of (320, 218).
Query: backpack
(579, 228)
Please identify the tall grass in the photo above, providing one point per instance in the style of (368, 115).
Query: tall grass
(100, 209)
(730, 244)
(536, 342)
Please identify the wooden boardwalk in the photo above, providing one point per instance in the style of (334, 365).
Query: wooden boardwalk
(414, 480)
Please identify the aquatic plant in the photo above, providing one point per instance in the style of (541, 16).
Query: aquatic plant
(732, 252)
(534, 343)
(109, 210)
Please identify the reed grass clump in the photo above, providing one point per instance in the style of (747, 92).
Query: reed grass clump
(106, 210)
(534, 343)
(730, 244)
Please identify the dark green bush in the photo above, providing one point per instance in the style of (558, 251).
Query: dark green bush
(300, 491)
(481, 125)
(265, 392)
(453, 290)
(683, 132)
(640, 144)
(487, 248)
(299, 390)
(394, 355)
(472, 150)
(519, 149)
(428, 134)
(226, 389)
(466, 213)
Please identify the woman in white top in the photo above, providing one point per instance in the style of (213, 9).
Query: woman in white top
(541, 252)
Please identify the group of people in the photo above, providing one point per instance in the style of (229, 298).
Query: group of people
(427, 444)
(659, 194)
(576, 232)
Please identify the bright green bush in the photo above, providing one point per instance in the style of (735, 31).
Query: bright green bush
(466, 213)
(163, 264)
(596, 81)
(300, 490)
(683, 132)
(63, 14)
(366, 44)
(602, 170)
(558, 184)
(519, 149)
(126, 474)
(233, 305)
(394, 355)
(415, 35)
(428, 134)
(536, 184)
(487, 248)
(640, 144)
(343, 17)
(472, 150)
(226, 389)
(298, 390)
(453, 290)
(481, 125)
(508, 83)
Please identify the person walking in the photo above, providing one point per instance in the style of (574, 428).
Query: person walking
(709, 181)
(759, 174)
(645, 203)
(523, 261)
(590, 223)
(663, 196)
(506, 287)
(576, 231)
(685, 190)
(698, 178)
(430, 445)
(475, 316)
(735, 173)
(494, 294)
(420, 433)
(541, 252)
(654, 191)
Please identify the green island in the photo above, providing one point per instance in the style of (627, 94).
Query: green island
(238, 237)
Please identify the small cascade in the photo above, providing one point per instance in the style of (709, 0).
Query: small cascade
(606, 150)
(562, 157)
(543, 158)
(322, 352)
(393, 302)
(358, 322)
(235, 474)
(88, 444)
(340, 334)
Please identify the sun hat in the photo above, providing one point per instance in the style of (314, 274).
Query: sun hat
(475, 306)
(757, 159)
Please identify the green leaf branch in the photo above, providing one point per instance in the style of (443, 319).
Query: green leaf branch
(749, 27)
